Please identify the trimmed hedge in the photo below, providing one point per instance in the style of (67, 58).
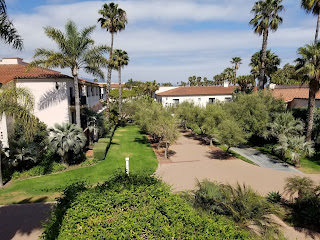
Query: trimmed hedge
(135, 207)
(104, 140)
(100, 149)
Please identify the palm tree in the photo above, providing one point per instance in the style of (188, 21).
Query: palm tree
(237, 61)
(299, 185)
(266, 17)
(19, 104)
(114, 20)
(272, 62)
(120, 59)
(230, 73)
(314, 7)
(8, 33)
(308, 65)
(76, 51)
(65, 138)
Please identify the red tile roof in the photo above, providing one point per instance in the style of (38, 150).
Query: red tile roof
(18, 71)
(289, 94)
(196, 91)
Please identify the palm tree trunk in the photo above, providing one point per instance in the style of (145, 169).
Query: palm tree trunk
(314, 87)
(120, 96)
(109, 79)
(1, 181)
(317, 29)
(263, 59)
(76, 96)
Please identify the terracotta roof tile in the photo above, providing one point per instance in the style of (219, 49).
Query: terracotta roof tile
(196, 91)
(289, 94)
(18, 71)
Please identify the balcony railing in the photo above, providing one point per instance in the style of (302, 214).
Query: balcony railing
(83, 100)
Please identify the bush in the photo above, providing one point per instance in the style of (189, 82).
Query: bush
(89, 162)
(274, 197)
(99, 151)
(134, 207)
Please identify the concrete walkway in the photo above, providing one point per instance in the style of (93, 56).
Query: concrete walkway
(263, 160)
(23, 221)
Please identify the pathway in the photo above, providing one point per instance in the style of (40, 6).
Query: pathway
(23, 221)
(263, 160)
(193, 161)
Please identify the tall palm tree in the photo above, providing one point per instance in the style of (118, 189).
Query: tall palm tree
(114, 19)
(236, 61)
(266, 17)
(65, 138)
(120, 59)
(314, 7)
(308, 65)
(76, 51)
(272, 62)
(230, 73)
(8, 33)
(19, 104)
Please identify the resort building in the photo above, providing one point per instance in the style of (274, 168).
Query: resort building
(295, 96)
(200, 96)
(53, 94)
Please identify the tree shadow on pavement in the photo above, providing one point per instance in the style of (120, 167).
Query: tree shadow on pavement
(23, 219)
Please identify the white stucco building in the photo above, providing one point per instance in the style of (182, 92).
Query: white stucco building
(53, 94)
(201, 96)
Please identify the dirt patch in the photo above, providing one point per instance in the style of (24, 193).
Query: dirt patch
(117, 134)
(122, 130)
(89, 154)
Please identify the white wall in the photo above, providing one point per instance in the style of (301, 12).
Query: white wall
(51, 104)
(198, 100)
(4, 131)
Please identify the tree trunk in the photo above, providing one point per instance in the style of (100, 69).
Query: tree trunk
(65, 159)
(317, 29)
(120, 94)
(1, 181)
(166, 151)
(263, 59)
(76, 96)
(109, 80)
(228, 149)
(314, 87)
(211, 142)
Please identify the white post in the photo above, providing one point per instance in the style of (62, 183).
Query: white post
(127, 165)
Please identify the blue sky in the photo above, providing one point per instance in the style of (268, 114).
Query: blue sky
(167, 40)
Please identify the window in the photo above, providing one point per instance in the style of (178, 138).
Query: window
(87, 91)
(71, 91)
(73, 117)
(212, 100)
(199, 99)
(228, 99)
(175, 101)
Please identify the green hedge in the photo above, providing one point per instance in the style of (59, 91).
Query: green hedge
(134, 207)
(104, 140)
(101, 147)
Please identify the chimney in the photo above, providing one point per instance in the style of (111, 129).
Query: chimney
(226, 83)
(11, 61)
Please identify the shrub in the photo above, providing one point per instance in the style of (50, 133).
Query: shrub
(89, 162)
(241, 203)
(134, 207)
(99, 151)
(274, 197)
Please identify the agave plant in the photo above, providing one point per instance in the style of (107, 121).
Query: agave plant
(66, 138)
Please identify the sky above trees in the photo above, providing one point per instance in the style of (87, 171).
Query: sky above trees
(167, 40)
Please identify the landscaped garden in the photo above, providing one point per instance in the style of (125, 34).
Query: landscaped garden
(127, 142)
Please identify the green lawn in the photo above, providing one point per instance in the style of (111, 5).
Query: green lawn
(127, 142)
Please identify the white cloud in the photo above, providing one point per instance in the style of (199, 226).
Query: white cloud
(156, 48)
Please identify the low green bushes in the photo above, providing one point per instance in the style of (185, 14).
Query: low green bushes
(135, 207)
(101, 147)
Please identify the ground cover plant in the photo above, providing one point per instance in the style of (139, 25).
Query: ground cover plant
(133, 207)
(127, 142)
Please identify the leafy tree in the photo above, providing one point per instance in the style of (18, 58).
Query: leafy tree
(184, 112)
(168, 84)
(120, 59)
(76, 51)
(314, 7)
(8, 33)
(19, 104)
(183, 84)
(266, 17)
(236, 61)
(230, 134)
(192, 81)
(114, 20)
(66, 138)
(230, 74)
(308, 65)
(272, 62)
(150, 88)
